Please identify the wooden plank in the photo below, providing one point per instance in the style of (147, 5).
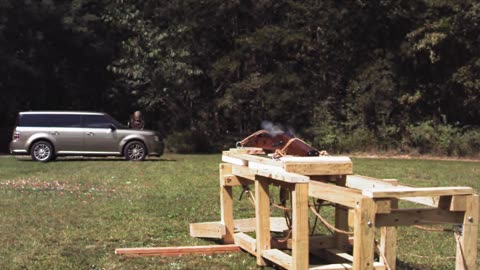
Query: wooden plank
(319, 169)
(459, 203)
(278, 257)
(388, 242)
(316, 160)
(235, 161)
(364, 182)
(409, 217)
(207, 230)
(343, 266)
(252, 158)
(177, 251)
(340, 254)
(246, 242)
(341, 212)
(332, 193)
(226, 204)
(235, 181)
(277, 224)
(262, 215)
(364, 233)
(467, 248)
(243, 171)
(276, 173)
(247, 150)
(399, 192)
(300, 227)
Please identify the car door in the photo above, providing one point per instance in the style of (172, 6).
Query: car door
(99, 135)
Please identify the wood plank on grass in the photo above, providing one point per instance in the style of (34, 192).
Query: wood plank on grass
(177, 251)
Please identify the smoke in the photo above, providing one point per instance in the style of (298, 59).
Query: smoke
(275, 129)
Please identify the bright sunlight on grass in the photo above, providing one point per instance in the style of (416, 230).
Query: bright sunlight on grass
(73, 213)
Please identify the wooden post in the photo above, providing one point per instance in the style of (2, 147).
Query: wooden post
(388, 241)
(262, 215)
(300, 247)
(467, 247)
(341, 219)
(364, 234)
(226, 204)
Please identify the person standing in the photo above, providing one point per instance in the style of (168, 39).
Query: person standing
(136, 121)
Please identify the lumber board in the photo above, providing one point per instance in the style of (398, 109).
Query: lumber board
(364, 182)
(247, 150)
(333, 193)
(246, 242)
(324, 165)
(408, 217)
(278, 257)
(233, 160)
(243, 172)
(226, 204)
(364, 233)
(276, 173)
(207, 230)
(399, 192)
(253, 158)
(467, 249)
(340, 254)
(177, 251)
(343, 266)
(388, 242)
(300, 239)
(277, 224)
(262, 217)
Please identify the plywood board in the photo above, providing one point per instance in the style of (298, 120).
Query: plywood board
(177, 251)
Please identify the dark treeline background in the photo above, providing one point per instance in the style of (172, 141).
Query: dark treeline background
(352, 75)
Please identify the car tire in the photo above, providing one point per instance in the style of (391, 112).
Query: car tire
(135, 151)
(42, 151)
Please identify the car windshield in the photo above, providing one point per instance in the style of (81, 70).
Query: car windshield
(116, 123)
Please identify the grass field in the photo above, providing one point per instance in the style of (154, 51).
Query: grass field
(73, 213)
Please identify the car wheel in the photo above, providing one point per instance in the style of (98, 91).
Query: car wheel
(135, 151)
(42, 151)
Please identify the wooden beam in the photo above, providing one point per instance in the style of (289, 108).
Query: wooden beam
(252, 158)
(235, 181)
(399, 192)
(226, 204)
(235, 161)
(388, 242)
(262, 215)
(318, 165)
(177, 251)
(246, 242)
(332, 193)
(459, 203)
(467, 250)
(277, 224)
(207, 230)
(247, 150)
(278, 257)
(243, 171)
(341, 212)
(408, 217)
(300, 227)
(276, 173)
(364, 182)
(344, 266)
(364, 233)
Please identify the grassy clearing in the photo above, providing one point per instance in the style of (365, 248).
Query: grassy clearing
(72, 214)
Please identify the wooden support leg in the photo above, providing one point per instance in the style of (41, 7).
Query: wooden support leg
(364, 233)
(467, 247)
(262, 214)
(226, 205)
(300, 238)
(341, 219)
(388, 242)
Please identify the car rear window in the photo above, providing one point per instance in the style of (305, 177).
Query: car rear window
(49, 120)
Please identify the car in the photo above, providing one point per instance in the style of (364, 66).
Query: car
(46, 135)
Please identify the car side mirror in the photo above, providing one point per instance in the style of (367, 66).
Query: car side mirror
(113, 127)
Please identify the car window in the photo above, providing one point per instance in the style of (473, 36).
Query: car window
(49, 120)
(96, 121)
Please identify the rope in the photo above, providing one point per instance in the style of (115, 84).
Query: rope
(328, 225)
(244, 141)
(385, 261)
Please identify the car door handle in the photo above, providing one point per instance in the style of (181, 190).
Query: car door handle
(90, 133)
(54, 133)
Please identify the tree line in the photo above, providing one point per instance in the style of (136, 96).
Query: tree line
(345, 75)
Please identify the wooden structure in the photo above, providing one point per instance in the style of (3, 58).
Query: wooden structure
(372, 203)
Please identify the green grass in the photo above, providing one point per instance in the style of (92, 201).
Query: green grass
(72, 214)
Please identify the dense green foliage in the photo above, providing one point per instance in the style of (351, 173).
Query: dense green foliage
(345, 75)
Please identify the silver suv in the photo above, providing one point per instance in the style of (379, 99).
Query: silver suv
(46, 135)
